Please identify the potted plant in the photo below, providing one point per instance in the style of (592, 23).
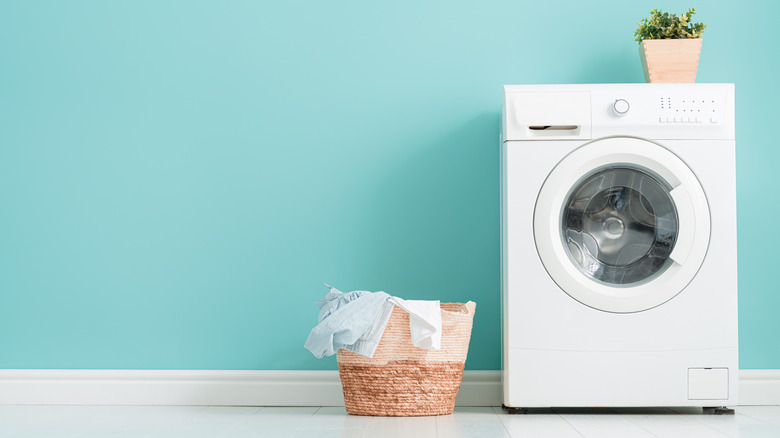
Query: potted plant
(669, 46)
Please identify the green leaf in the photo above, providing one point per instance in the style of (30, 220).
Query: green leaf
(664, 25)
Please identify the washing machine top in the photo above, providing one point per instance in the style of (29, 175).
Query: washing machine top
(585, 112)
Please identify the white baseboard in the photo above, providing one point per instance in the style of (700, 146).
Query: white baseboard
(257, 388)
(759, 387)
(183, 387)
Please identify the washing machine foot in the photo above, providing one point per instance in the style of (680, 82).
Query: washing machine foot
(717, 410)
(515, 411)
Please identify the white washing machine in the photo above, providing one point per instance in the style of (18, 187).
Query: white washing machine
(619, 246)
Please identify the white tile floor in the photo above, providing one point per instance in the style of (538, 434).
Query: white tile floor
(230, 422)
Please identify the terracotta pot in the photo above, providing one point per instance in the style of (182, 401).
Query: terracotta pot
(670, 60)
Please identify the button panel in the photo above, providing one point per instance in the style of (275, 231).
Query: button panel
(690, 109)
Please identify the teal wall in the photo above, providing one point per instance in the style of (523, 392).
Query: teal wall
(178, 178)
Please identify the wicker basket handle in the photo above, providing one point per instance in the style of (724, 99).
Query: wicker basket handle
(467, 308)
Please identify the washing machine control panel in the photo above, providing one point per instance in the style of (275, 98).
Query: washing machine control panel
(581, 112)
(664, 111)
(663, 108)
(689, 109)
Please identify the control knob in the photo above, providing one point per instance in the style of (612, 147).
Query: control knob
(620, 107)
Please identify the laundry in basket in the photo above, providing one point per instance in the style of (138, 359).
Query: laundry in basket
(356, 320)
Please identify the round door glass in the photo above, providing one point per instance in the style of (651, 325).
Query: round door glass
(619, 226)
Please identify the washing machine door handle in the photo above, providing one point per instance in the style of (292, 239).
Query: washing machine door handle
(686, 222)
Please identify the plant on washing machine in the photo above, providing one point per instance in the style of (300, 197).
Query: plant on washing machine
(669, 46)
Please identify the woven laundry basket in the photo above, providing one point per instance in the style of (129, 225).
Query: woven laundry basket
(403, 380)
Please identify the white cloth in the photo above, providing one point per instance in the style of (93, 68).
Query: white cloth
(356, 322)
(424, 321)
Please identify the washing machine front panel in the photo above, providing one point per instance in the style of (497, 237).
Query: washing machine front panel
(622, 224)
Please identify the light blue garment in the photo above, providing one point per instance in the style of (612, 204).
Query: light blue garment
(368, 343)
(335, 299)
(344, 320)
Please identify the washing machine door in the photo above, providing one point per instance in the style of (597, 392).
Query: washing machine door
(622, 224)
